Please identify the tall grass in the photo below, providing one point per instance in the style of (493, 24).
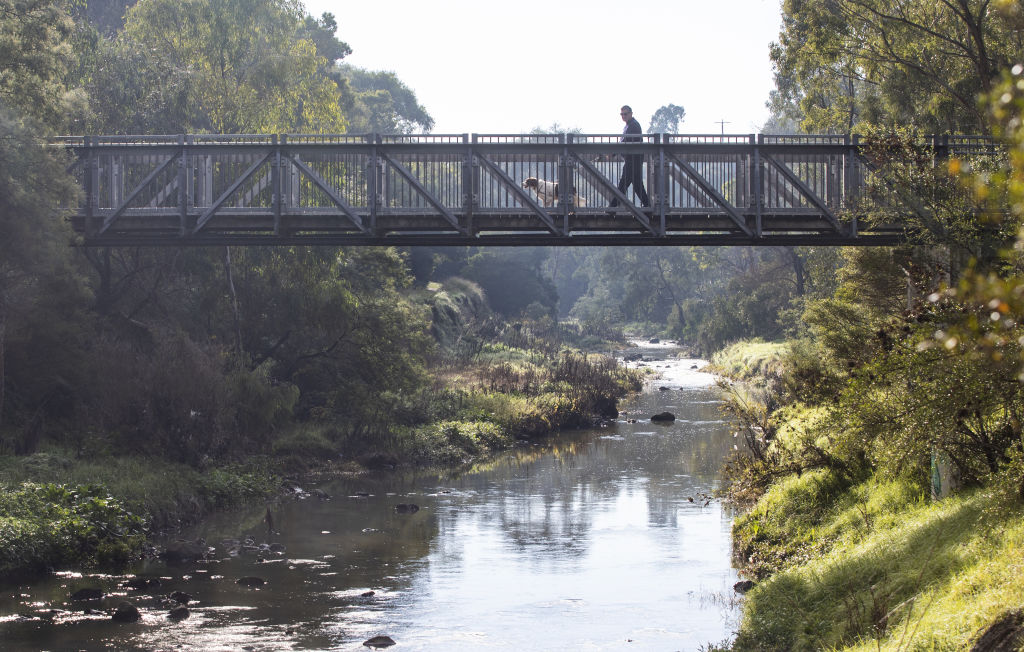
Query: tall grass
(750, 360)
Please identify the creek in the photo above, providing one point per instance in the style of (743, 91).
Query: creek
(600, 539)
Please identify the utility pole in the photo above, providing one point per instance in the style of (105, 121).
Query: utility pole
(723, 123)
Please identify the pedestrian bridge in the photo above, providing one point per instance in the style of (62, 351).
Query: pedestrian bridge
(467, 190)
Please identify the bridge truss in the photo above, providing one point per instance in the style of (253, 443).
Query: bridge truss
(467, 190)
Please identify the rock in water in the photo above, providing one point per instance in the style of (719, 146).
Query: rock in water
(664, 416)
(742, 586)
(126, 613)
(181, 597)
(379, 641)
(87, 594)
(407, 508)
(179, 613)
(251, 582)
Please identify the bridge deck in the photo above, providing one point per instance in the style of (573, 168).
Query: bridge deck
(467, 190)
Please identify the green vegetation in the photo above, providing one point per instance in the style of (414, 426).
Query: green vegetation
(749, 360)
(877, 566)
(183, 381)
(904, 379)
(44, 525)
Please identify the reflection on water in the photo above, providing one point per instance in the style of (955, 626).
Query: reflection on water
(603, 540)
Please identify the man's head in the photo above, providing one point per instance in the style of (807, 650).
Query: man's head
(626, 113)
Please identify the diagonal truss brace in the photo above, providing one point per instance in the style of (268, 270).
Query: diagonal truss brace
(345, 207)
(208, 214)
(423, 192)
(804, 190)
(523, 196)
(135, 193)
(599, 179)
(718, 198)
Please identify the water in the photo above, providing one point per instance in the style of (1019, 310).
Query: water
(590, 543)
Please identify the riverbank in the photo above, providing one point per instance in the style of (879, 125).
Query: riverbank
(595, 519)
(63, 507)
(878, 565)
(849, 557)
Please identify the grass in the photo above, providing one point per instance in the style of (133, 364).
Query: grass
(879, 566)
(164, 492)
(749, 360)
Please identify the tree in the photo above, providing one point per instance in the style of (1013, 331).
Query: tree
(242, 65)
(666, 119)
(34, 243)
(379, 102)
(920, 63)
(106, 15)
(35, 50)
(322, 32)
(35, 53)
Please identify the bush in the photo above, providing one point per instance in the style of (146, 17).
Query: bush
(456, 442)
(48, 525)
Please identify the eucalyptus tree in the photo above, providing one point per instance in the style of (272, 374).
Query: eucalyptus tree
(243, 64)
(921, 63)
(378, 101)
(666, 119)
(35, 55)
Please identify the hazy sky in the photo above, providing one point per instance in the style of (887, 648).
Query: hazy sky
(507, 67)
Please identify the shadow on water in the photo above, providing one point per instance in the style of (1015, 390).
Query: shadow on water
(601, 539)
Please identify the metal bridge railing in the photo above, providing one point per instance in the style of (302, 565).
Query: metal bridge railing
(468, 188)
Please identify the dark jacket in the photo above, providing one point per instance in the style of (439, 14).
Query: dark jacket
(632, 127)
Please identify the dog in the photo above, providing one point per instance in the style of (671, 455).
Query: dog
(547, 191)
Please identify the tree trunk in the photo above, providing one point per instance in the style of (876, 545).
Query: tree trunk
(798, 269)
(234, 303)
(668, 287)
(3, 342)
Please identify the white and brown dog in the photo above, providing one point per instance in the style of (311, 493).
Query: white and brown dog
(547, 191)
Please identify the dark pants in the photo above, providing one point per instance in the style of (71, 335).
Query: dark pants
(633, 174)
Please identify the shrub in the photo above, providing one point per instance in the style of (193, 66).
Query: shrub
(46, 525)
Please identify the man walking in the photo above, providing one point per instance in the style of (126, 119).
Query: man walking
(633, 170)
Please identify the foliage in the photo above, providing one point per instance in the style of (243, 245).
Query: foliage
(511, 279)
(35, 48)
(910, 184)
(459, 312)
(452, 443)
(39, 299)
(891, 63)
(177, 400)
(46, 525)
(236, 66)
(666, 119)
(379, 102)
(749, 360)
(164, 493)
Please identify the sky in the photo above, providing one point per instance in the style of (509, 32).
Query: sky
(490, 67)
